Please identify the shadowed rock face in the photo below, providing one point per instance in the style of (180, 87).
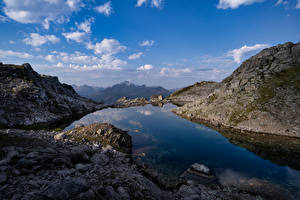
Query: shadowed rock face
(262, 95)
(30, 99)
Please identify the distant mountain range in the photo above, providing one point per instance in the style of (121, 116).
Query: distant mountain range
(124, 89)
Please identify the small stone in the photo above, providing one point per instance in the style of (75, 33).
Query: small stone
(201, 168)
(25, 163)
(88, 195)
(190, 182)
(60, 136)
(3, 168)
(110, 131)
(63, 161)
(65, 172)
(100, 131)
(79, 125)
(65, 189)
(3, 178)
(32, 154)
(81, 167)
(12, 154)
(16, 172)
(4, 161)
(123, 193)
(101, 159)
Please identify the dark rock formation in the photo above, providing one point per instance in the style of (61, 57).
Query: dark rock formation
(30, 99)
(262, 95)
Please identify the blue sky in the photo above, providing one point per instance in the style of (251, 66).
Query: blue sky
(172, 43)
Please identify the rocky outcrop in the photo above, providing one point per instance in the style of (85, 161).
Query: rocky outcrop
(155, 100)
(30, 99)
(125, 102)
(99, 134)
(33, 165)
(262, 95)
(199, 173)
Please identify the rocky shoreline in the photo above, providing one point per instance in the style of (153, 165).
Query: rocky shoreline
(48, 165)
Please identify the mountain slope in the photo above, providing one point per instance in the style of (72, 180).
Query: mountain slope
(262, 95)
(27, 98)
(124, 89)
(90, 92)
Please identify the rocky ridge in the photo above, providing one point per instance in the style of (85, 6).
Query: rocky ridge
(262, 95)
(30, 99)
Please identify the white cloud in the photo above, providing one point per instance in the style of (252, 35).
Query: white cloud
(145, 67)
(139, 3)
(106, 46)
(281, 2)
(50, 58)
(10, 53)
(225, 4)
(41, 11)
(298, 4)
(73, 4)
(110, 64)
(105, 9)
(36, 39)
(135, 56)
(147, 43)
(76, 57)
(86, 25)
(238, 54)
(76, 36)
(11, 42)
(59, 64)
(3, 18)
(154, 3)
(82, 62)
(173, 71)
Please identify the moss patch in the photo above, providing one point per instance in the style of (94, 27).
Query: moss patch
(241, 115)
(289, 77)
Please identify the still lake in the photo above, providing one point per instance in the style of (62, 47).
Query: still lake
(170, 144)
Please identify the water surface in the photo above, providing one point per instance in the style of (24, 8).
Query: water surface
(170, 144)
